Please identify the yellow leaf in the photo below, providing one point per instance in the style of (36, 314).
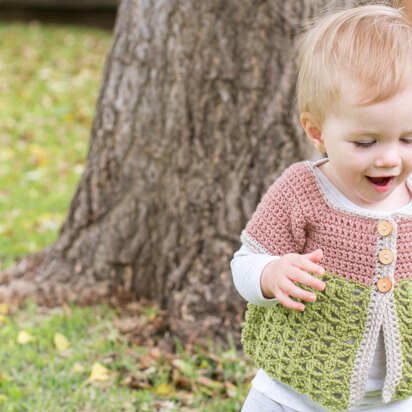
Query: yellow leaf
(4, 308)
(24, 337)
(39, 155)
(204, 364)
(77, 368)
(163, 389)
(9, 232)
(6, 154)
(27, 224)
(99, 373)
(2, 319)
(61, 342)
(126, 381)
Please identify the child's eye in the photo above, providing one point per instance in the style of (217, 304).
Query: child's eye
(364, 144)
(407, 140)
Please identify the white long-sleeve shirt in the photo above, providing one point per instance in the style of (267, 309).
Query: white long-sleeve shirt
(247, 268)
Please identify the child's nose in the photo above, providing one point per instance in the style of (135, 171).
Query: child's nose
(388, 158)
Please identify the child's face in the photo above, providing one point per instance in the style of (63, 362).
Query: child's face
(369, 147)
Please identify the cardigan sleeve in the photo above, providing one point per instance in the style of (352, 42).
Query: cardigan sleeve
(247, 268)
(277, 226)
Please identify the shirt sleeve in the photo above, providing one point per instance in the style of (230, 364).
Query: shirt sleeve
(247, 268)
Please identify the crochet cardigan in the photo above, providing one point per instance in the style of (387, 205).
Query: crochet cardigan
(326, 351)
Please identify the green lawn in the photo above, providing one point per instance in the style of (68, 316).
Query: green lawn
(49, 84)
(50, 358)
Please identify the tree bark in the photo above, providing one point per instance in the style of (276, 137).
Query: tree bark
(195, 118)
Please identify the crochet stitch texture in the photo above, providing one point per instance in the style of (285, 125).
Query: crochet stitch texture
(326, 351)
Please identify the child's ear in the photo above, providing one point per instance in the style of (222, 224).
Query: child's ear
(313, 130)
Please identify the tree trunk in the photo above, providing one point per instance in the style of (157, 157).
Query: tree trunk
(195, 119)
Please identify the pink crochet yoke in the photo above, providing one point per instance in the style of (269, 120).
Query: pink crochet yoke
(295, 216)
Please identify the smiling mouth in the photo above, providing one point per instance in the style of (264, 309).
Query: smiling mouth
(381, 184)
(380, 181)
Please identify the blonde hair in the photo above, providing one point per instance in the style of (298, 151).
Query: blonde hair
(368, 45)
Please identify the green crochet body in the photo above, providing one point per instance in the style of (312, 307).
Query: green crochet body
(312, 351)
(403, 293)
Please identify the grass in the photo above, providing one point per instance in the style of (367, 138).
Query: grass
(37, 376)
(50, 79)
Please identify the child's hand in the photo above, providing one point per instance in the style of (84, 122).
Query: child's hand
(279, 277)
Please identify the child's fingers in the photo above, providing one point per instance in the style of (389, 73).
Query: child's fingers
(315, 256)
(304, 263)
(287, 302)
(300, 276)
(292, 290)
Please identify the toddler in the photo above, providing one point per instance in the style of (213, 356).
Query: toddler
(326, 259)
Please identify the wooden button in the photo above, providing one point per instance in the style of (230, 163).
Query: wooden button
(385, 228)
(386, 256)
(384, 285)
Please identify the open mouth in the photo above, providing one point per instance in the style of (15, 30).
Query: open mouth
(381, 184)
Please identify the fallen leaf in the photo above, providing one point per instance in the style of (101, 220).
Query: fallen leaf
(9, 232)
(77, 368)
(181, 381)
(24, 338)
(155, 353)
(209, 383)
(61, 342)
(231, 390)
(4, 308)
(46, 223)
(27, 224)
(164, 406)
(184, 367)
(164, 389)
(139, 379)
(39, 155)
(33, 176)
(147, 362)
(204, 365)
(99, 373)
(126, 381)
(7, 154)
